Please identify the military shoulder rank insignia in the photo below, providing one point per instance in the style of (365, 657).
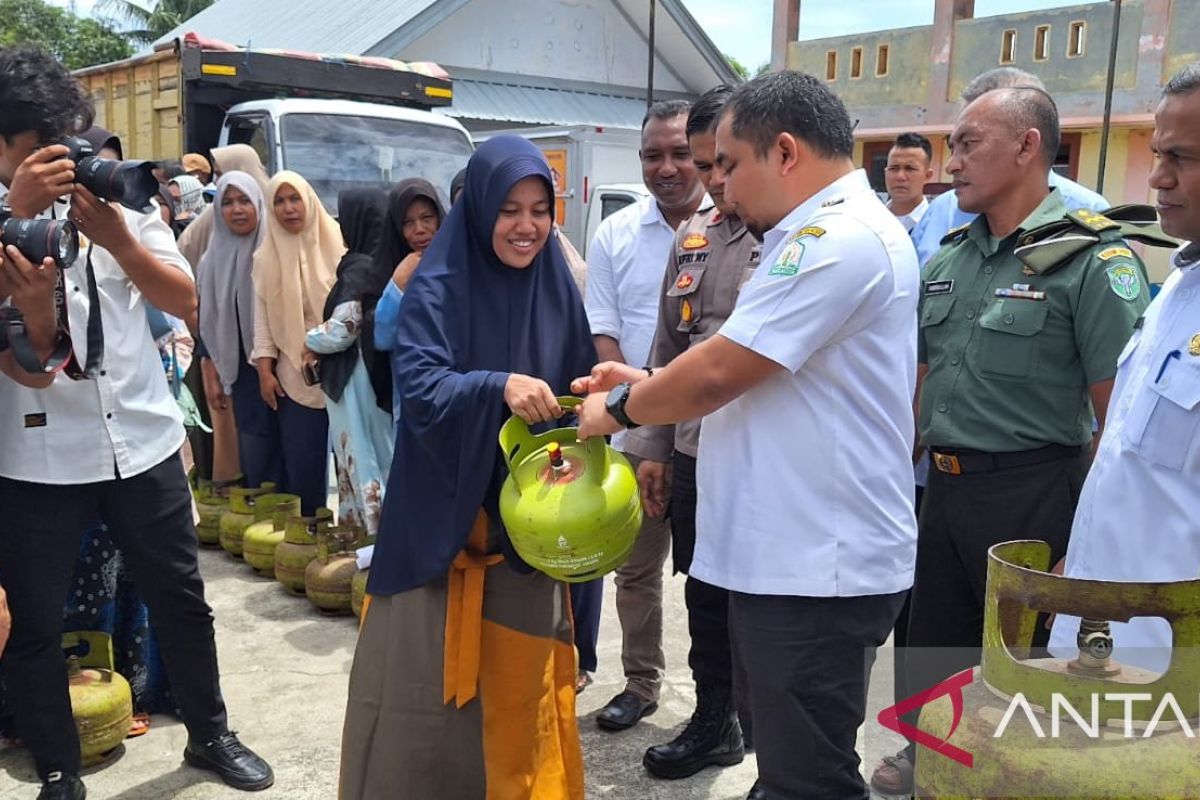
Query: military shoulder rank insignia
(1092, 220)
(694, 241)
(717, 219)
(1114, 252)
(833, 202)
(955, 234)
(810, 230)
(1125, 282)
(1194, 346)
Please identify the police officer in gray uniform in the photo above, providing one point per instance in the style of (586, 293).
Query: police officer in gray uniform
(714, 254)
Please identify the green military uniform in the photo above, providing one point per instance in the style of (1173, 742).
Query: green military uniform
(714, 254)
(1013, 332)
(1012, 373)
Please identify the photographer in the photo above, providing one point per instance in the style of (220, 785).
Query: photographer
(104, 447)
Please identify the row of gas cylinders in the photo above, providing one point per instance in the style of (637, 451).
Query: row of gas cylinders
(309, 556)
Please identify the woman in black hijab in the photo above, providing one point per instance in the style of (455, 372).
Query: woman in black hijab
(414, 216)
(359, 425)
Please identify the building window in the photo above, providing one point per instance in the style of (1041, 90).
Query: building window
(1077, 39)
(856, 62)
(1041, 43)
(831, 65)
(881, 60)
(1008, 47)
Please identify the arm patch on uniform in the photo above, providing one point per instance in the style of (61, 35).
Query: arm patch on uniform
(1114, 252)
(811, 230)
(1125, 281)
(788, 263)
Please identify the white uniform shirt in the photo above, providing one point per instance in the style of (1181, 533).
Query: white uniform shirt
(910, 220)
(625, 266)
(120, 424)
(805, 481)
(1138, 517)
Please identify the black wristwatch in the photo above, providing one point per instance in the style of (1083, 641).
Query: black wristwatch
(614, 404)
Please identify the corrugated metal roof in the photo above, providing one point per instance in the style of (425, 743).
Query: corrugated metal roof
(318, 26)
(542, 106)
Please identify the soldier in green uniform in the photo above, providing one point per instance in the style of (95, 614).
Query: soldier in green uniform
(714, 254)
(1022, 316)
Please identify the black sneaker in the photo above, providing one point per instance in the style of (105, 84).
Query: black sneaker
(235, 763)
(62, 787)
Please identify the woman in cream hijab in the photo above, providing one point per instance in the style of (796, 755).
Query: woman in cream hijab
(294, 270)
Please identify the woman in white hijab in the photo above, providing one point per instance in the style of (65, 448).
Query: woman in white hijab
(294, 270)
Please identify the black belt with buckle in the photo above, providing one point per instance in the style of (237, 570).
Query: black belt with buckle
(959, 462)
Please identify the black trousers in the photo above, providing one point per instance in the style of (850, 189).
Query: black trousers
(587, 601)
(808, 660)
(150, 516)
(710, 655)
(962, 516)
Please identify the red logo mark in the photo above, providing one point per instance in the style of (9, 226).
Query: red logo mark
(953, 686)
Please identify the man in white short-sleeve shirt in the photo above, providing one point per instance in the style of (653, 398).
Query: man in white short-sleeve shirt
(804, 473)
(1136, 518)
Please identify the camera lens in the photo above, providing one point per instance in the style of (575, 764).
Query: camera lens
(130, 183)
(39, 239)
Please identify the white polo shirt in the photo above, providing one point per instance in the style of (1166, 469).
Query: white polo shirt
(123, 422)
(1138, 517)
(910, 220)
(805, 481)
(625, 266)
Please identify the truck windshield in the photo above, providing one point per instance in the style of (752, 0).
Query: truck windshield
(336, 152)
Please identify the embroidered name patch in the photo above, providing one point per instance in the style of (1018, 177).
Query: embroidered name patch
(1114, 252)
(35, 420)
(939, 287)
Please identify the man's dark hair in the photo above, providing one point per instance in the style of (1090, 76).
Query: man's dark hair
(1026, 107)
(38, 94)
(1000, 78)
(913, 140)
(706, 111)
(666, 109)
(791, 102)
(1186, 81)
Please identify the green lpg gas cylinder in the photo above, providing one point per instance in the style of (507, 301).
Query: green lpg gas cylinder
(1083, 727)
(240, 516)
(328, 577)
(212, 501)
(101, 700)
(298, 548)
(261, 538)
(571, 509)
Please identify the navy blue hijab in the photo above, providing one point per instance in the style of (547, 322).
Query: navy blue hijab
(468, 321)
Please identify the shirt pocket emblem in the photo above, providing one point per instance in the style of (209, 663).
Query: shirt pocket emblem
(684, 289)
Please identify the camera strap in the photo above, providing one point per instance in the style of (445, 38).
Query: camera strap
(95, 329)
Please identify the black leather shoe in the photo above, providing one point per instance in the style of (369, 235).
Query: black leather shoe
(63, 787)
(624, 711)
(235, 763)
(757, 792)
(712, 737)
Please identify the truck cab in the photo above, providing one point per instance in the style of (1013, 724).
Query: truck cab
(342, 144)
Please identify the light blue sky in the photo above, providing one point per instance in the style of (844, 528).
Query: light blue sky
(742, 28)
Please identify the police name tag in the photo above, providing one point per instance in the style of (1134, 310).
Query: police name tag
(939, 287)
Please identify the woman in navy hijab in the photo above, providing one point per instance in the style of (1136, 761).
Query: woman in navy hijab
(463, 678)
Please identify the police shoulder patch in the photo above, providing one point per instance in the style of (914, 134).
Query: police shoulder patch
(694, 241)
(810, 230)
(788, 263)
(1125, 281)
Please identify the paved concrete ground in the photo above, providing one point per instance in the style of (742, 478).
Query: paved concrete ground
(284, 673)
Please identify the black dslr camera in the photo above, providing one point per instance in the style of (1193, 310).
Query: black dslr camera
(130, 183)
(38, 239)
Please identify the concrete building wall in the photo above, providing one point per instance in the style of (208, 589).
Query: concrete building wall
(978, 44)
(902, 83)
(1183, 38)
